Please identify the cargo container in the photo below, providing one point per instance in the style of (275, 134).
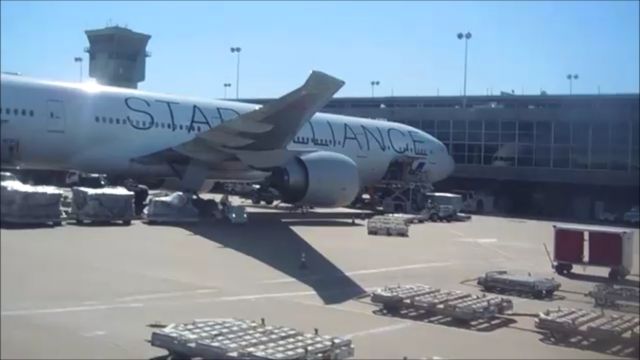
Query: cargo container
(593, 246)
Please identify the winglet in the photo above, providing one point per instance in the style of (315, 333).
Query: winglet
(274, 125)
(322, 83)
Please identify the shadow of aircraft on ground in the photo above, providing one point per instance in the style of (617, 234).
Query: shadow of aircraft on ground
(269, 240)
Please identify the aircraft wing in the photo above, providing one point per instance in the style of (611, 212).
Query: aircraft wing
(260, 137)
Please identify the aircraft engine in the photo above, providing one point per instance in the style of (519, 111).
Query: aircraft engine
(322, 178)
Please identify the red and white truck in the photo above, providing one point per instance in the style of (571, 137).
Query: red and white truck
(593, 246)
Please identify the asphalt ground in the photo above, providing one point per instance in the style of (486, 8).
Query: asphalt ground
(92, 291)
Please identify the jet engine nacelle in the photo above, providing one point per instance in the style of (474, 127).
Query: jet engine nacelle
(322, 178)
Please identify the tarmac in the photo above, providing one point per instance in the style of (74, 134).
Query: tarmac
(94, 291)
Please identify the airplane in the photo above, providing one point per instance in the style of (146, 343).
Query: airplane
(311, 158)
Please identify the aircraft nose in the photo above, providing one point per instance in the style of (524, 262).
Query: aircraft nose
(444, 168)
(448, 166)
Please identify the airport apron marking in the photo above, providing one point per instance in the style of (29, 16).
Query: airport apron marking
(362, 272)
(68, 309)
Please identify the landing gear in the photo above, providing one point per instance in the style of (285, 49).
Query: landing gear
(205, 207)
(263, 194)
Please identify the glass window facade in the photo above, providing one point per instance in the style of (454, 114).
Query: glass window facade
(580, 145)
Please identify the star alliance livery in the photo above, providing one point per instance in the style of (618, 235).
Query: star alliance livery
(311, 158)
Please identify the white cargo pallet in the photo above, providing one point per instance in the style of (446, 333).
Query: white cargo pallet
(589, 324)
(454, 304)
(246, 339)
(388, 225)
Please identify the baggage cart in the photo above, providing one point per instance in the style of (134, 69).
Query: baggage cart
(246, 339)
(593, 246)
(503, 280)
(174, 208)
(457, 305)
(596, 325)
(388, 225)
(617, 297)
(27, 204)
(102, 205)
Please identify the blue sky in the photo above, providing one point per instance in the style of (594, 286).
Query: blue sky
(410, 47)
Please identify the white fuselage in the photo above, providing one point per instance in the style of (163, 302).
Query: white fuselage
(100, 129)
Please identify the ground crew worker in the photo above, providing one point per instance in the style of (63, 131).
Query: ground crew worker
(140, 193)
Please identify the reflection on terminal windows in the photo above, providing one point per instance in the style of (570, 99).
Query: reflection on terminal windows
(561, 156)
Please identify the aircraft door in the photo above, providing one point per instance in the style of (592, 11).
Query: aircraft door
(55, 116)
(10, 151)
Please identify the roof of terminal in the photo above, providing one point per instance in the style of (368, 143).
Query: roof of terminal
(485, 101)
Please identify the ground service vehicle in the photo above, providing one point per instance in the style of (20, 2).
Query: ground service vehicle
(505, 281)
(474, 202)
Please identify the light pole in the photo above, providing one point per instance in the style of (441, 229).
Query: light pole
(571, 78)
(78, 59)
(237, 50)
(226, 85)
(374, 83)
(466, 37)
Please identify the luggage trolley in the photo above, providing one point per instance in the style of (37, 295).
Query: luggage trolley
(246, 339)
(616, 297)
(457, 305)
(566, 322)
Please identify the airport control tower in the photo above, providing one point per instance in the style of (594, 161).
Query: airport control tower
(117, 56)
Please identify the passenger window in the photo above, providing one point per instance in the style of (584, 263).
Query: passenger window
(97, 119)
(104, 119)
(24, 112)
(198, 128)
(15, 112)
(50, 114)
(180, 127)
(162, 125)
(110, 120)
(8, 111)
(31, 113)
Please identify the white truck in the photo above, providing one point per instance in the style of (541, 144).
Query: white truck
(475, 202)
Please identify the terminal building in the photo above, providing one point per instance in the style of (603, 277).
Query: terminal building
(568, 156)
